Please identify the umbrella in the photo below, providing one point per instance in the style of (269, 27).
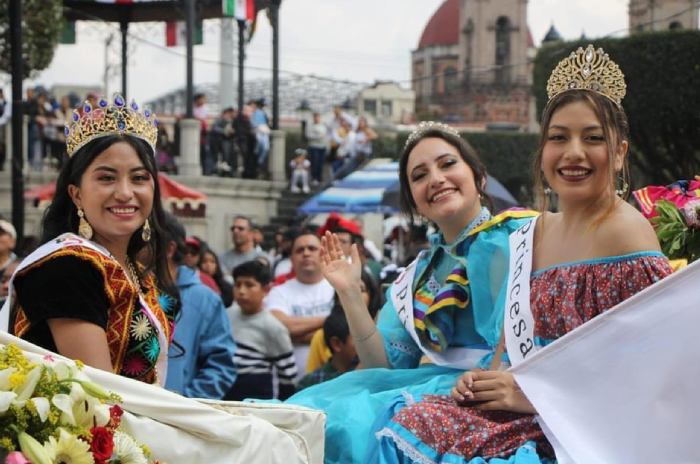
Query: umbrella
(500, 196)
(182, 200)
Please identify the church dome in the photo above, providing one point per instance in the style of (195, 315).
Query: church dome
(443, 27)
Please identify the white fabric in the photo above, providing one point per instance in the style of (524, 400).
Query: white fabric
(519, 325)
(401, 294)
(179, 429)
(623, 388)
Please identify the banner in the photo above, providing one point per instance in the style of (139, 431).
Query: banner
(624, 386)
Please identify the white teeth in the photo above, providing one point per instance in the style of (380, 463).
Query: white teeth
(574, 172)
(123, 210)
(439, 195)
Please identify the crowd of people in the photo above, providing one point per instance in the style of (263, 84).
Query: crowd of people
(413, 374)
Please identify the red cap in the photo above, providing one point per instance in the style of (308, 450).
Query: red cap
(337, 223)
(191, 241)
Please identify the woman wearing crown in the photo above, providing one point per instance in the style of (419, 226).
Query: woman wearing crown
(566, 268)
(82, 294)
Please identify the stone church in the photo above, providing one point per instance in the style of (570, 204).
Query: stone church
(472, 65)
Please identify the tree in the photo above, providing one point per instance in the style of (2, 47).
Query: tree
(662, 102)
(42, 21)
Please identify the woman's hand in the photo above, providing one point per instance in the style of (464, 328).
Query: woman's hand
(342, 274)
(492, 391)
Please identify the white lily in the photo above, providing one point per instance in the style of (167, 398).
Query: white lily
(42, 406)
(6, 399)
(5, 377)
(24, 391)
(64, 403)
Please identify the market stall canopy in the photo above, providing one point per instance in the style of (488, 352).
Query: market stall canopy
(180, 199)
(359, 192)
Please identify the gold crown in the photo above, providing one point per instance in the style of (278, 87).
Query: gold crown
(588, 69)
(426, 126)
(109, 119)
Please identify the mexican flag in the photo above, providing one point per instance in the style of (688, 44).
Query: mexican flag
(176, 33)
(240, 9)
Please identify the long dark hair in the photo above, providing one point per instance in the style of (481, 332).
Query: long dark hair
(406, 202)
(613, 120)
(61, 216)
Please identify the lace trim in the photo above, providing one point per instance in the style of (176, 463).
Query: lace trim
(408, 397)
(406, 448)
(404, 348)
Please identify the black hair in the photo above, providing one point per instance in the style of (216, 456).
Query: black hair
(245, 218)
(61, 216)
(375, 296)
(308, 230)
(335, 325)
(174, 231)
(406, 202)
(254, 269)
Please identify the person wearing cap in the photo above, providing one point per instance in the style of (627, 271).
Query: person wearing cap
(8, 240)
(194, 248)
(300, 172)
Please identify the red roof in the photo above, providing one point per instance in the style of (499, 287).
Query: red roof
(443, 27)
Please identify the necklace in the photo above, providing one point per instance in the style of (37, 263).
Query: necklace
(133, 276)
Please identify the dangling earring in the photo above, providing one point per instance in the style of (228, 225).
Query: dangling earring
(146, 231)
(622, 191)
(84, 227)
(547, 190)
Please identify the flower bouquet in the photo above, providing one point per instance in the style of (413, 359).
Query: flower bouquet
(50, 413)
(674, 211)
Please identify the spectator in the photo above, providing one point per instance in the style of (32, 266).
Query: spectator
(261, 125)
(263, 342)
(246, 141)
(300, 172)
(243, 245)
(317, 135)
(303, 302)
(8, 240)
(194, 247)
(344, 139)
(282, 264)
(209, 266)
(221, 143)
(336, 335)
(5, 113)
(164, 152)
(5, 277)
(204, 368)
(201, 113)
(31, 109)
(363, 141)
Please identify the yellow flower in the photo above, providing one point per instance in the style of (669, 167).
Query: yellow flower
(17, 379)
(68, 449)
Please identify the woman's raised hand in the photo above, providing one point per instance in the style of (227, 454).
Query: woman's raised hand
(338, 271)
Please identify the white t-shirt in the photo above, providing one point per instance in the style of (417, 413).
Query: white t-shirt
(301, 300)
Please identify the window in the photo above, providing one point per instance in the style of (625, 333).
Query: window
(387, 108)
(450, 77)
(503, 30)
(370, 106)
(675, 25)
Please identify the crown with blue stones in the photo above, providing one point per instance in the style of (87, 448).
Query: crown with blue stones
(109, 119)
(588, 69)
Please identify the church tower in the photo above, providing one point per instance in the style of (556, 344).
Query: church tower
(661, 15)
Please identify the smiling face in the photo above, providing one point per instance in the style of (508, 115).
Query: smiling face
(116, 193)
(442, 184)
(576, 159)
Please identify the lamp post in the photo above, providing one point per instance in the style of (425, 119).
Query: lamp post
(17, 114)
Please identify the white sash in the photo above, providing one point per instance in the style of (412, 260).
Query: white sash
(401, 293)
(72, 240)
(518, 322)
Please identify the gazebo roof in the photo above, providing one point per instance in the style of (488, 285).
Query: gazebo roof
(136, 10)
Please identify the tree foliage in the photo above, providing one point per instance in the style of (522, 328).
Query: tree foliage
(42, 21)
(662, 70)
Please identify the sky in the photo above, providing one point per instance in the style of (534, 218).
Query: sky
(356, 40)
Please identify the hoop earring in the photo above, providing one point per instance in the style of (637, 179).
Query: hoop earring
(146, 231)
(622, 191)
(84, 227)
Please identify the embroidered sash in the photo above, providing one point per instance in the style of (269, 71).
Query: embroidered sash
(401, 294)
(119, 290)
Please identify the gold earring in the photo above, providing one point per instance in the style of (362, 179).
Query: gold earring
(146, 231)
(84, 227)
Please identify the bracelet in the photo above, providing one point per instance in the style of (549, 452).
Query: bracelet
(363, 339)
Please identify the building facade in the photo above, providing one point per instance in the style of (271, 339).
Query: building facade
(660, 15)
(387, 103)
(473, 66)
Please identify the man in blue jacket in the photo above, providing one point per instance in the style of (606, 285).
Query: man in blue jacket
(200, 362)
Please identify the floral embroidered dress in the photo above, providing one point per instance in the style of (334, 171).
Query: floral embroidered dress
(562, 298)
(72, 278)
(455, 288)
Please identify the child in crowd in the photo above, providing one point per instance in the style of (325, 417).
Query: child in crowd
(263, 342)
(336, 334)
(300, 171)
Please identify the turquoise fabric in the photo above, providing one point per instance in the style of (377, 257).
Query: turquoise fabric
(360, 403)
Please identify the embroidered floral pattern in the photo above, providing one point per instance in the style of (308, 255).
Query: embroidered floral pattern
(140, 327)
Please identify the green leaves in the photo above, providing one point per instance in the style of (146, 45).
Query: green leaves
(676, 238)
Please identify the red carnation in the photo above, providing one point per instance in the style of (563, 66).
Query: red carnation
(102, 445)
(115, 416)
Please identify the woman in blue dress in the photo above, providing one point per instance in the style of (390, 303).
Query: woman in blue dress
(439, 319)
